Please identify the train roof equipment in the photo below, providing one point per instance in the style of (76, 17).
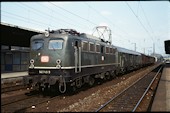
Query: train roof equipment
(102, 32)
(75, 33)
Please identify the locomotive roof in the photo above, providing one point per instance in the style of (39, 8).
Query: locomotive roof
(75, 33)
(123, 50)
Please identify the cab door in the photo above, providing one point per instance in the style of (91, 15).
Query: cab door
(77, 55)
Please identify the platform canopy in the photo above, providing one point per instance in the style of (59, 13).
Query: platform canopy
(13, 35)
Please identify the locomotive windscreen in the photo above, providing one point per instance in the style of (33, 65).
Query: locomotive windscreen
(55, 44)
(37, 44)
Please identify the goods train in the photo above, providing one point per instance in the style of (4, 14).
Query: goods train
(65, 60)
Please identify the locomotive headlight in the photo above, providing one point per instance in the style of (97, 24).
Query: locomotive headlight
(32, 61)
(58, 61)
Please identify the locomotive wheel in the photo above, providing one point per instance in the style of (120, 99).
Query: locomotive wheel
(91, 81)
(54, 89)
(71, 89)
(107, 76)
(78, 82)
(113, 74)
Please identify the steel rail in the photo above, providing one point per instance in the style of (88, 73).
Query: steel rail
(102, 106)
(146, 90)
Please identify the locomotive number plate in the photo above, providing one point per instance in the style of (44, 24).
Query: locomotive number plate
(44, 71)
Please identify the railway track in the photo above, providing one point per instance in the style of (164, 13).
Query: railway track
(12, 84)
(25, 102)
(40, 103)
(13, 99)
(12, 88)
(131, 98)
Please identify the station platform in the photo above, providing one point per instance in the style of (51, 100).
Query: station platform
(161, 102)
(13, 76)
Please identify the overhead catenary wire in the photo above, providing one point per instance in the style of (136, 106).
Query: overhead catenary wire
(26, 18)
(114, 25)
(139, 21)
(19, 19)
(143, 26)
(67, 19)
(105, 18)
(149, 24)
(74, 23)
(146, 19)
(73, 14)
(46, 15)
(70, 19)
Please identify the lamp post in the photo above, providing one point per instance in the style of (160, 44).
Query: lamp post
(135, 45)
(149, 50)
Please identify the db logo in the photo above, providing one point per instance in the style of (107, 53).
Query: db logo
(44, 59)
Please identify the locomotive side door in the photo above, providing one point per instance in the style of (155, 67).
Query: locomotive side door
(77, 55)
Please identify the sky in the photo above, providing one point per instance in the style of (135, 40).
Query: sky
(136, 25)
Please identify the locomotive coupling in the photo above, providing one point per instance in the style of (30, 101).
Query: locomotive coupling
(62, 84)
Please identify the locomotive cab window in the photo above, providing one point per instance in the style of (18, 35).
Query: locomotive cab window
(37, 44)
(55, 44)
(97, 48)
(107, 49)
(85, 46)
(111, 51)
(91, 46)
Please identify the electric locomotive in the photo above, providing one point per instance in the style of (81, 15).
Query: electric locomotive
(66, 59)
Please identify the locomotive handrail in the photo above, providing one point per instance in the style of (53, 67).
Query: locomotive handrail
(79, 59)
(75, 55)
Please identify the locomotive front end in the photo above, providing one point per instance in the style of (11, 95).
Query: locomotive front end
(46, 60)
